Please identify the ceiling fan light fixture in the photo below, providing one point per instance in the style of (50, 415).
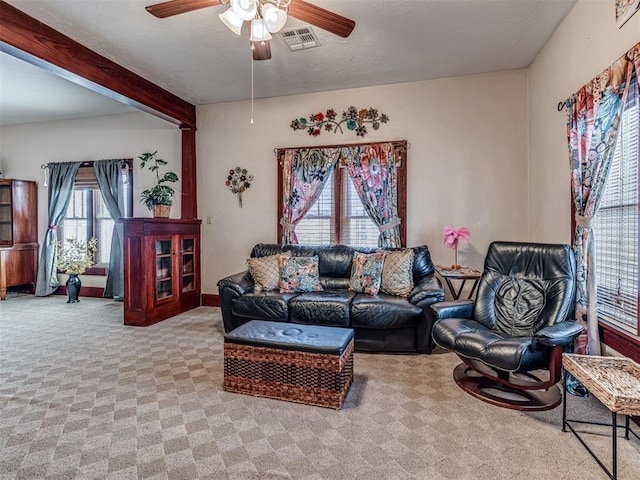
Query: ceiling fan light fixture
(245, 9)
(232, 21)
(259, 32)
(274, 17)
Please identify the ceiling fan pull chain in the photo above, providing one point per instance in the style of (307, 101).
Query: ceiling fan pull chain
(251, 88)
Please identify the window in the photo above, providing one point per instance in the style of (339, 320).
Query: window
(338, 216)
(87, 215)
(321, 225)
(616, 226)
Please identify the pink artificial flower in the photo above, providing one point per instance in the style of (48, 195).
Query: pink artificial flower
(451, 235)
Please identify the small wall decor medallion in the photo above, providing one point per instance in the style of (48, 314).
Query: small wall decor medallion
(239, 180)
(354, 119)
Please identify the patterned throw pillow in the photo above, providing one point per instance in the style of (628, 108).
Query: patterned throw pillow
(265, 272)
(397, 273)
(366, 272)
(299, 274)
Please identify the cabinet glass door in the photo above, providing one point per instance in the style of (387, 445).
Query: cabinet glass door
(187, 264)
(6, 218)
(164, 271)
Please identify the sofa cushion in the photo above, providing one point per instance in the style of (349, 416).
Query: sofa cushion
(334, 283)
(329, 308)
(366, 272)
(335, 261)
(383, 311)
(263, 306)
(266, 249)
(422, 264)
(299, 274)
(265, 272)
(473, 340)
(397, 273)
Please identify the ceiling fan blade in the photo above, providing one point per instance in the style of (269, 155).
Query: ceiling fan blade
(175, 7)
(260, 51)
(320, 17)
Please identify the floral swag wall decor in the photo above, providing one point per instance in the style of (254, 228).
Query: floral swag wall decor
(353, 118)
(239, 180)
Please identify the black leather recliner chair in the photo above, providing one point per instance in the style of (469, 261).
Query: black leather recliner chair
(519, 324)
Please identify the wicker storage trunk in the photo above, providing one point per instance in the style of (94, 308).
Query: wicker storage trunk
(276, 365)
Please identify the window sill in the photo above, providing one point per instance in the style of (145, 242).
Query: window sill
(621, 341)
(95, 271)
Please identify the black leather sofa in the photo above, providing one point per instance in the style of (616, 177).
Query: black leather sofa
(381, 323)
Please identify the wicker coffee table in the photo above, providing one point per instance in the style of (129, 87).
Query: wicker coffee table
(307, 364)
(616, 383)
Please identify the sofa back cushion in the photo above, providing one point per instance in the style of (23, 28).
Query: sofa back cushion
(422, 264)
(335, 261)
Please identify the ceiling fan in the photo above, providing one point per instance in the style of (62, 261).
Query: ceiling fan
(266, 17)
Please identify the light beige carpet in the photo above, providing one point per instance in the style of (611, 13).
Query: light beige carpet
(82, 396)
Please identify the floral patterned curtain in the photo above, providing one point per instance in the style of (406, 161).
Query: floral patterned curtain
(375, 177)
(592, 126)
(305, 172)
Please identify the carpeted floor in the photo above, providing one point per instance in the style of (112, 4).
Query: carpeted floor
(82, 396)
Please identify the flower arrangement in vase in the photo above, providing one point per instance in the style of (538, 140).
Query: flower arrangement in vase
(73, 259)
(451, 236)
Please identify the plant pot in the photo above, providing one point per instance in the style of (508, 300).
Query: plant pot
(161, 211)
(73, 288)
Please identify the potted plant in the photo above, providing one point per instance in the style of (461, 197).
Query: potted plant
(158, 198)
(73, 259)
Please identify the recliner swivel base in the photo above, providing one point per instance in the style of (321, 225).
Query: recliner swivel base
(488, 389)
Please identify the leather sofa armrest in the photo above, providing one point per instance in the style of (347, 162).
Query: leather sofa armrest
(562, 333)
(453, 309)
(428, 288)
(241, 282)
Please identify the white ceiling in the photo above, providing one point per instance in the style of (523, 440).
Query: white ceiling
(196, 57)
(28, 93)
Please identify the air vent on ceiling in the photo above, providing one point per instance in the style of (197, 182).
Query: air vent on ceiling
(302, 38)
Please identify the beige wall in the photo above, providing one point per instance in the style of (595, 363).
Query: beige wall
(586, 43)
(466, 162)
(25, 147)
(486, 151)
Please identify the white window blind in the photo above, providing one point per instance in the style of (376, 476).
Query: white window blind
(321, 225)
(317, 227)
(616, 226)
(86, 217)
(356, 226)
(76, 219)
(103, 229)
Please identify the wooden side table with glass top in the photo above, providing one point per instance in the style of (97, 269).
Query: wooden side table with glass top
(463, 274)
